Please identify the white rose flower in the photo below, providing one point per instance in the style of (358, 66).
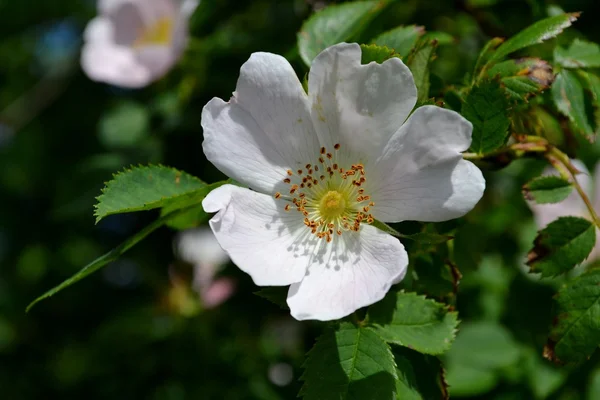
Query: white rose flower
(572, 205)
(132, 43)
(322, 167)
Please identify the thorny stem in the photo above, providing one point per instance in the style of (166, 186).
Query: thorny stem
(559, 160)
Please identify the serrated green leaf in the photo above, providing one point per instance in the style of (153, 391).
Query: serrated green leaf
(371, 52)
(107, 258)
(580, 54)
(333, 25)
(276, 295)
(523, 77)
(419, 61)
(349, 363)
(561, 245)
(547, 189)
(568, 96)
(576, 330)
(480, 351)
(401, 39)
(414, 321)
(145, 188)
(534, 34)
(486, 106)
(420, 377)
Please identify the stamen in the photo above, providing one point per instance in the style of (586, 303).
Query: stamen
(330, 203)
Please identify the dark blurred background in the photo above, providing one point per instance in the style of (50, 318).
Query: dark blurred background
(127, 331)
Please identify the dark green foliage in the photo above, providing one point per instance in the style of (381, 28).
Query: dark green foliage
(350, 362)
(402, 39)
(332, 25)
(414, 321)
(561, 245)
(486, 106)
(575, 333)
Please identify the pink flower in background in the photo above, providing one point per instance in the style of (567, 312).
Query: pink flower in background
(200, 248)
(572, 205)
(132, 43)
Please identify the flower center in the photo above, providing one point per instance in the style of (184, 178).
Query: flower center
(330, 197)
(158, 33)
(332, 205)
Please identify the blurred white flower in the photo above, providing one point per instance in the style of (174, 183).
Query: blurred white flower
(572, 205)
(132, 43)
(322, 167)
(200, 248)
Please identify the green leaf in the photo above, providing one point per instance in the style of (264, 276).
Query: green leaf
(428, 238)
(442, 38)
(349, 363)
(561, 245)
(333, 25)
(523, 77)
(420, 377)
(414, 321)
(418, 61)
(276, 295)
(547, 189)
(480, 351)
(107, 258)
(437, 277)
(195, 216)
(485, 55)
(486, 106)
(568, 96)
(576, 331)
(543, 377)
(371, 52)
(401, 39)
(145, 188)
(591, 84)
(581, 54)
(534, 34)
(593, 387)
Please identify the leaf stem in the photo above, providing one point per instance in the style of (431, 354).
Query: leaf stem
(561, 162)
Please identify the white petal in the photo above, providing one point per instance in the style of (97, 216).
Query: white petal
(188, 7)
(350, 273)
(421, 174)
(269, 90)
(260, 237)
(108, 6)
(266, 127)
(359, 106)
(99, 30)
(116, 65)
(157, 60)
